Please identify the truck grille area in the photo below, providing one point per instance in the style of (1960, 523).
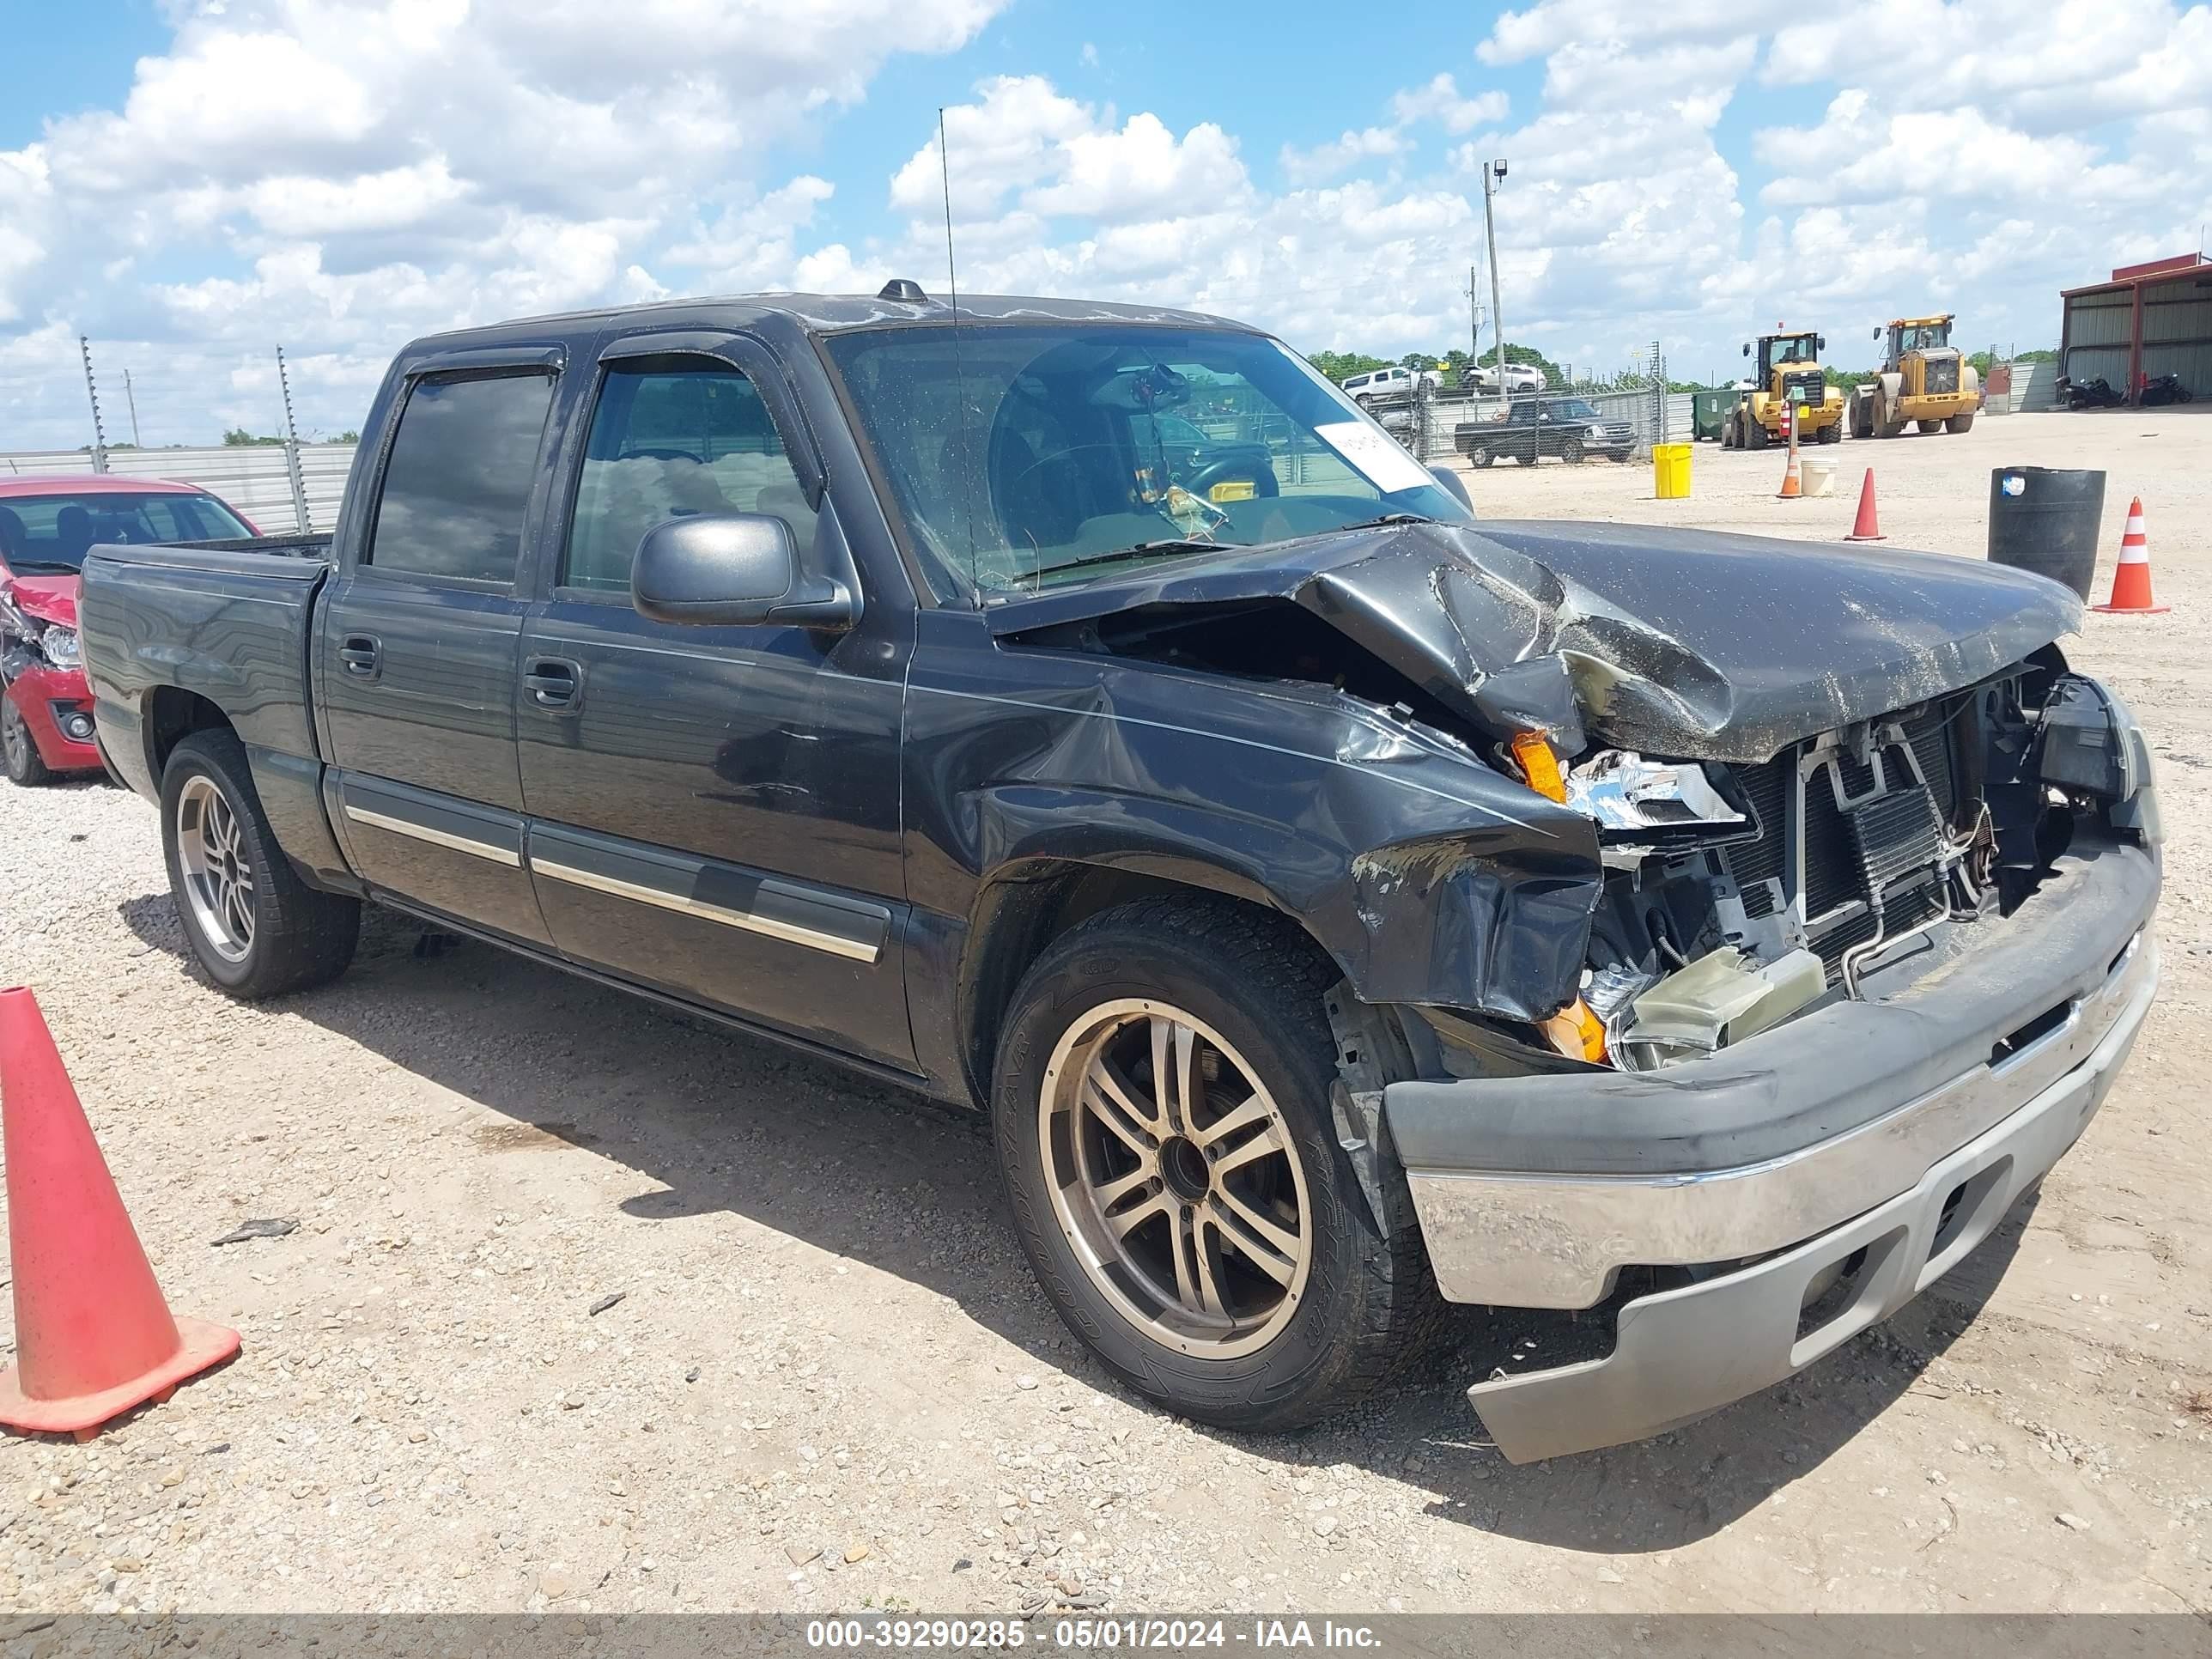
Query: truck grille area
(1854, 844)
(1813, 387)
(1943, 374)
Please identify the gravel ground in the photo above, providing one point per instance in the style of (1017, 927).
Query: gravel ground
(829, 1383)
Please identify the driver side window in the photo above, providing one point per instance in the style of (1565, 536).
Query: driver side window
(671, 438)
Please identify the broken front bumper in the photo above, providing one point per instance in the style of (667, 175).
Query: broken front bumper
(1904, 1126)
(57, 706)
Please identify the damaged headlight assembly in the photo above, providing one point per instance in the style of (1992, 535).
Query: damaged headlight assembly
(61, 646)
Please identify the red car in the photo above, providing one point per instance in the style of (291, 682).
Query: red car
(46, 526)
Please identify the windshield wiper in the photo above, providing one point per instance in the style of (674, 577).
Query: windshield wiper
(1142, 549)
(1389, 518)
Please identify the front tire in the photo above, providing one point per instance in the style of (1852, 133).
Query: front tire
(257, 929)
(1161, 1110)
(20, 750)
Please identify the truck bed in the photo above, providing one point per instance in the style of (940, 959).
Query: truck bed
(229, 621)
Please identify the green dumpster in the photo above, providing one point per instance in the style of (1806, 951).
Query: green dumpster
(1709, 409)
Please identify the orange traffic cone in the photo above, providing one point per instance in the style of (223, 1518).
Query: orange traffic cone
(2131, 580)
(1868, 528)
(1793, 480)
(92, 1336)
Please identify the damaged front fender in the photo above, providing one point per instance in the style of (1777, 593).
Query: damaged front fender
(1428, 876)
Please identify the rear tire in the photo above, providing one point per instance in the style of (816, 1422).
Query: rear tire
(25, 767)
(1340, 1303)
(1961, 423)
(1755, 433)
(257, 929)
(1930, 426)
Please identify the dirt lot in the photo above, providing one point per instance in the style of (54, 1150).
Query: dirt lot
(830, 1383)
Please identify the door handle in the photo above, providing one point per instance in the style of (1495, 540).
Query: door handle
(553, 683)
(362, 655)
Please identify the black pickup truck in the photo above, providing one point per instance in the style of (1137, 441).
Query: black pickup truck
(1342, 907)
(1568, 428)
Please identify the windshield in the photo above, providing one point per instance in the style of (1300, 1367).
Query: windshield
(1573, 409)
(1797, 349)
(1023, 457)
(1925, 336)
(50, 535)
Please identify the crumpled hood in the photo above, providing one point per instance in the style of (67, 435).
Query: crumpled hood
(48, 599)
(1687, 643)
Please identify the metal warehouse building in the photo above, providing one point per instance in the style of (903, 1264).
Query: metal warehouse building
(2149, 320)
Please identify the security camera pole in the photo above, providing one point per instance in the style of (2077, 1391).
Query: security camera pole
(1493, 174)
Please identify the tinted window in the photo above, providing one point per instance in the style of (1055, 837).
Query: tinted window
(671, 438)
(459, 477)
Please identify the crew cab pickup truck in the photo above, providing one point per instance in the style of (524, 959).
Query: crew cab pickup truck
(1568, 428)
(1341, 907)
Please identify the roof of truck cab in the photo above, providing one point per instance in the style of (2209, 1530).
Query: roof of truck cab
(836, 313)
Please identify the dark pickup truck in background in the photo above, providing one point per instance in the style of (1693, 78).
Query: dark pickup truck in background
(1343, 908)
(1568, 428)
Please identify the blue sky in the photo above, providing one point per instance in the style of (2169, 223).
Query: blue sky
(194, 181)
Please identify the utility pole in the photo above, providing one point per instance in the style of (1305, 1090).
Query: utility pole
(132, 397)
(1493, 174)
(92, 391)
(1473, 316)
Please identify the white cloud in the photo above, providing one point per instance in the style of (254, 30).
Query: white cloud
(1440, 101)
(338, 173)
(1339, 155)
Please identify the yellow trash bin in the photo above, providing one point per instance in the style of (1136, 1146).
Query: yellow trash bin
(1670, 471)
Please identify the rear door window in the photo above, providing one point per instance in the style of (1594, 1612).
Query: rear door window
(455, 488)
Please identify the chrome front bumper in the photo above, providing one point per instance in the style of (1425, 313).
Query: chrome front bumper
(1681, 1354)
(1529, 1240)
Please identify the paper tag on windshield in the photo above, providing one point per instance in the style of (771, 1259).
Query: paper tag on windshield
(1376, 456)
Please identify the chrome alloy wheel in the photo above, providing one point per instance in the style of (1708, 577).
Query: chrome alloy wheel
(1174, 1177)
(218, 880)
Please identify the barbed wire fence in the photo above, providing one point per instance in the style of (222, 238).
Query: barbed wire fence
(282, 481)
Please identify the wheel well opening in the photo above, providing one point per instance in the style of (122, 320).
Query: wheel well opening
(1021, 914)
(173, 714)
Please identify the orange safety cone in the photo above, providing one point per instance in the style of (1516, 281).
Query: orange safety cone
(2131, 580)
(92, 1336)
(1867, 527)
(1793, 480)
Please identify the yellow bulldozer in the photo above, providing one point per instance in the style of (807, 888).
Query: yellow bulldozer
(1790, 377)
(1922, 377)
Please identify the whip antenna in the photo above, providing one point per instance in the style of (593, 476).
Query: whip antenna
(968, 457)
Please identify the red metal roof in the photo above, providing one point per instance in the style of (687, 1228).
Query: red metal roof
(2149, 272)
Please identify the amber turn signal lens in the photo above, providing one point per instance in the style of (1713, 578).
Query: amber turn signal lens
(1576, 1032)
(1540, 767)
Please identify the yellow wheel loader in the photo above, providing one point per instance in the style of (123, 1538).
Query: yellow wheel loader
(1922, 377)
(1790, 377)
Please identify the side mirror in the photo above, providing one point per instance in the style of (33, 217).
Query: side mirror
(1877, 332)
(1453, 485)
(1746, 348)
(1819, 343)
(733, 570)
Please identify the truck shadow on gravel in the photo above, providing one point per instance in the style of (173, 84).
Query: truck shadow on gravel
(726, 1122)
